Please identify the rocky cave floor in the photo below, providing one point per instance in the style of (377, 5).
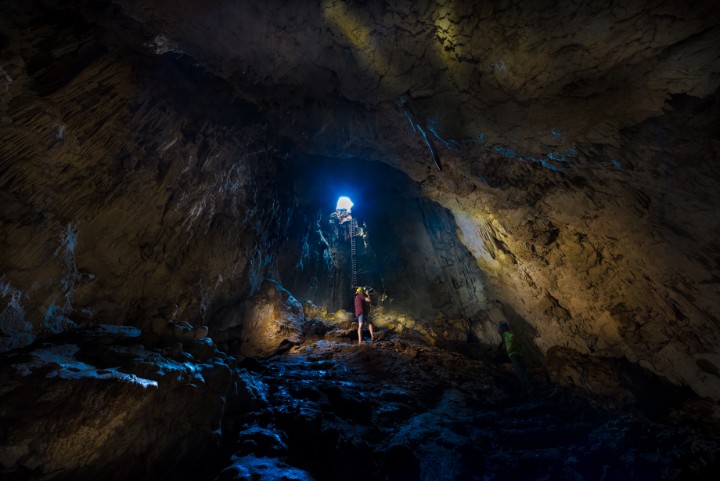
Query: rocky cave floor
(327, 409)
(398, 409)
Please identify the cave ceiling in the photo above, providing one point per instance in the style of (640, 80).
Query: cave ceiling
(524, 79)
(410, 83)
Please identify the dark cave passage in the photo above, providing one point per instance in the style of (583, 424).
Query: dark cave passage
(177, 290)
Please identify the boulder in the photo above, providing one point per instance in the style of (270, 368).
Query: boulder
(269, 322)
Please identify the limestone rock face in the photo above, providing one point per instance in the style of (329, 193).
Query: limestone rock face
(120, 195)
(83, 410)
(612, 261)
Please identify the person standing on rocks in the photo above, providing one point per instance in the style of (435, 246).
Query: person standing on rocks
(361, 297)
(513, 351)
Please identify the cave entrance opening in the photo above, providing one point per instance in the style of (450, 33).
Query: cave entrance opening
(346, 228)
(344, 204)
(406, 246)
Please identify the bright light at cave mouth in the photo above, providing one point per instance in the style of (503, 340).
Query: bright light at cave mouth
(344, 203)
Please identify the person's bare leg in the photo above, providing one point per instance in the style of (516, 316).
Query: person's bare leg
(360, 333)
(372, 335)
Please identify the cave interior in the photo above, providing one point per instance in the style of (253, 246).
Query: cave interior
(535, 194)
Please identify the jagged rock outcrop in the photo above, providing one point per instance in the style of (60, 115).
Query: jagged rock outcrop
(97, 404)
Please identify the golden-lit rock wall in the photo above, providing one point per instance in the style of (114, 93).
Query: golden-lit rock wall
(614, 262)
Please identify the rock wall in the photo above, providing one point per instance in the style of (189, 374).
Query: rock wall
(610, 259)
(133, 186)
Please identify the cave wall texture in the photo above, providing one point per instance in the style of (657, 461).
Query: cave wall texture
(122, 199)
(575, 145)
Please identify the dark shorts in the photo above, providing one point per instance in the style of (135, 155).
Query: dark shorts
(361, 320)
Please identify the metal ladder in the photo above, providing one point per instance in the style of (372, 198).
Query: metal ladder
(353, 260)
